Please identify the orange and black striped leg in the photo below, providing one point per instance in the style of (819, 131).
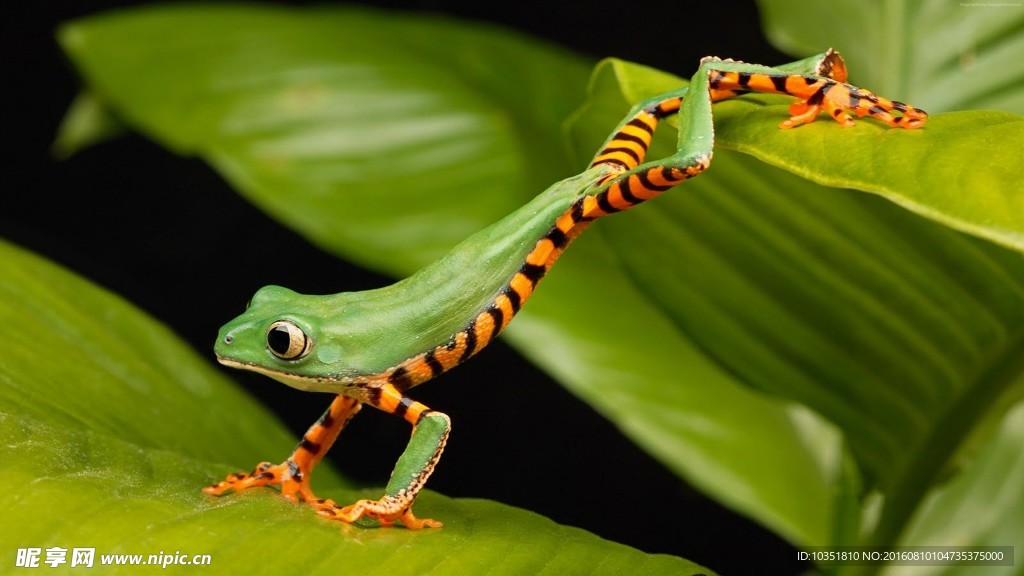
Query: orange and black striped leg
(632, 183)
(414, 466)
(626, 148)
(642, 184)
(293, 474)
(814, 94)
(817, 82)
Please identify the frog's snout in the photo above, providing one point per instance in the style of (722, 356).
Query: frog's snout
(224, 342)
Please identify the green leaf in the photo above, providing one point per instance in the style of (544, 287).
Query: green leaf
(902, 332)
(331, 115)
(111, 426)
(984, 503)
(769, 459)
(963, 169)
(87, 122)
(938, 55)
(80, 359)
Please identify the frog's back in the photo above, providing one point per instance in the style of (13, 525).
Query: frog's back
(433, 315)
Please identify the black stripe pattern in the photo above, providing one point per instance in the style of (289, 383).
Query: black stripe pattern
(533, 272)
(498, 316)
(432, 362)
(403, 406)
(470, 341)
(309, 446)
(401, 379)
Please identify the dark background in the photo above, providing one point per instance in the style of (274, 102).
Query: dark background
(132, 217)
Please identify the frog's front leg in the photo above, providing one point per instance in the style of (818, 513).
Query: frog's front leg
(414, 466)
(293, 474)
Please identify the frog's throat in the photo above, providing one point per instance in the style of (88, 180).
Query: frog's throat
(305, 383)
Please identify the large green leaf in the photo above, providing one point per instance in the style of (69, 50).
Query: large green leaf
(962, 170)
(341, 115)
(111, 426)
(939, 55)
(906, 334)
(602, 337)
(822, 280)
(983, 506)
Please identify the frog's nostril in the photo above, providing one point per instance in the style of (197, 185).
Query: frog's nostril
(228, 339)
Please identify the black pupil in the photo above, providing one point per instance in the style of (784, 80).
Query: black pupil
(279, 340)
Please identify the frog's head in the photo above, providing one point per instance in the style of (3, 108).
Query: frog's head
(278, 335)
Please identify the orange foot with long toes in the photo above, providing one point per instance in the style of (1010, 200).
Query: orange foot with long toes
(286, 475)
(838, 100)
(825, 90)
(386, 511)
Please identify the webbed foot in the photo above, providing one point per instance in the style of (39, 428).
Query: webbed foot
(386, 511)
(842, 99)
(293, 483)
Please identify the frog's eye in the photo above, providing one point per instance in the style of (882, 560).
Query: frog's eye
(287, 341)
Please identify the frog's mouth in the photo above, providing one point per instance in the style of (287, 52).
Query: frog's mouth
(304, 383)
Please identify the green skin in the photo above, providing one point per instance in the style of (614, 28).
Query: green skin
(353, 336)
(361, 334)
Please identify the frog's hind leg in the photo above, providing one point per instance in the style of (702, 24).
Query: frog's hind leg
(624, 151)
(627, 146)
(632, 182)
(293, 474)
(817, 82)
(823, 90)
